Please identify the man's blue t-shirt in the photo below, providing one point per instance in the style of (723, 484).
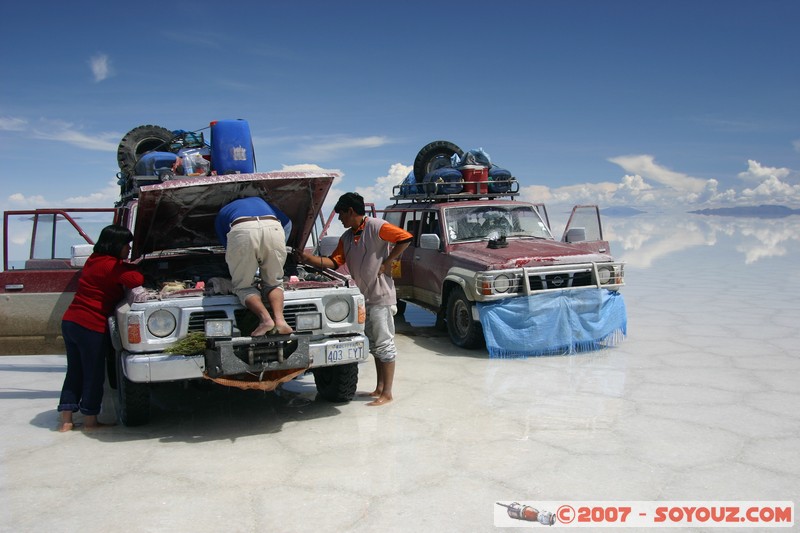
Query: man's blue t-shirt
(252, 206)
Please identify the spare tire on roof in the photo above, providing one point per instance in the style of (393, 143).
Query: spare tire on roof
(138, 142)
(434, 156)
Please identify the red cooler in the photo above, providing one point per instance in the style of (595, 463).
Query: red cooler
(476, 179)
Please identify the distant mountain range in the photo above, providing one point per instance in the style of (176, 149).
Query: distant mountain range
(619, 211)
(755, 211)
(751, 211)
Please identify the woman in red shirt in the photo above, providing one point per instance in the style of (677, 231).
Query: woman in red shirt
(85, 324)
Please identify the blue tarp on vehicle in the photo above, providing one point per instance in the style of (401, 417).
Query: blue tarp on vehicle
(553, 323)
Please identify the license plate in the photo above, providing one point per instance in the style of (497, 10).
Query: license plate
(345, 351)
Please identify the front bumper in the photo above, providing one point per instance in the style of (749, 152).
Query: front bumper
(246, 355)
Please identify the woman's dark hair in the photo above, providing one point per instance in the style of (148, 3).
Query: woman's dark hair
(112, 240)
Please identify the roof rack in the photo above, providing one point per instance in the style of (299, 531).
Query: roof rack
(434, 192)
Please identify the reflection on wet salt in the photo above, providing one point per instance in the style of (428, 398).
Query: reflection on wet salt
(711, 347)
(418, 317)
(647, 238)
(699, 403)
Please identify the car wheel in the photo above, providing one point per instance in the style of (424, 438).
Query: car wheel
(138, 142)
(433, 156)
(464, 331)
(337, 383)
(133, 407)
(401, 308)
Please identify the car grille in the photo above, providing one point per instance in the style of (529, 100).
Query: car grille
(540, 282)
(197, 320)
(289, 312)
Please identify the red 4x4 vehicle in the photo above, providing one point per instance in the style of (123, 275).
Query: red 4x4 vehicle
(490, 268)
(491, 265)
(187, 290)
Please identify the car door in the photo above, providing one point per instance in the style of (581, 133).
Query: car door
(402, 272)
(428, 268)
(583, 225)
(43, 252)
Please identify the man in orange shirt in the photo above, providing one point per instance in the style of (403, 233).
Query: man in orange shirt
(369, 246)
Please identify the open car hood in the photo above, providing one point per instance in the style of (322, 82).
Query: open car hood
(180, 213)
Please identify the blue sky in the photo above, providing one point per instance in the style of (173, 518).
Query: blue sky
(656, 105)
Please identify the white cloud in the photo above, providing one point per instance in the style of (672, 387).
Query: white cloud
(773, 189)
(536, 193)
(325, 149)
(64, 132)
(104, 197)
(585, 193)
(13, 124)
(383, 189)
(756, 172)
(634, 184)
(644, 165)
(19, 200)
(60, 131)
(681, 190)
(101, 67)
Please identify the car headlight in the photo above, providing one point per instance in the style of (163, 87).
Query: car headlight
(605, 275)
(218, 328)
(337, 310)
(502, 283)
(308, 321)
(489, 283)
(161, 323)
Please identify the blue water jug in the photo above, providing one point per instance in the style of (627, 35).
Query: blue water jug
(231, 147)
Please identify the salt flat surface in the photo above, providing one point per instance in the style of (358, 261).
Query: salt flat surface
(700, 402)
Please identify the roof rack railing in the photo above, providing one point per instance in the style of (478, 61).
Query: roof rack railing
(433, 191)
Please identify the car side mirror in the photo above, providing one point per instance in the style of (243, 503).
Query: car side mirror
(429, 241)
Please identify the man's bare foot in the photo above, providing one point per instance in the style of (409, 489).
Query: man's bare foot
(283, 328)
(380, 400)
(262, 329)
(373, 394)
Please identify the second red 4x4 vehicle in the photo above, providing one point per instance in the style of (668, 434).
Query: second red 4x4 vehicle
(490, 268)
(489, 250)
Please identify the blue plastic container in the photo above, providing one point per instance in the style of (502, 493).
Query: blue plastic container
(231, 147)
(154, 164)
(445, 180)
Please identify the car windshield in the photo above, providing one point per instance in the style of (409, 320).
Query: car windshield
(491, 222)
